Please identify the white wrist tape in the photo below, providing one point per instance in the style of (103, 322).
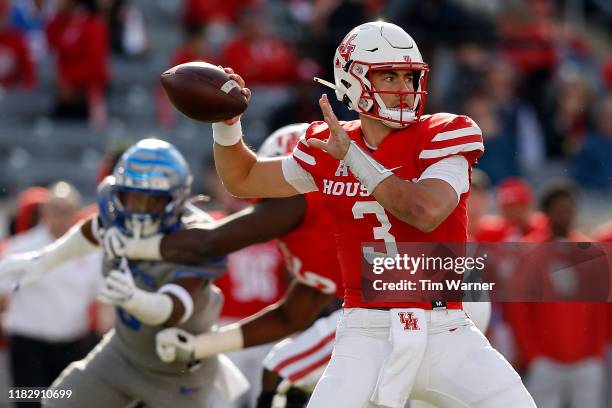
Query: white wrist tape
(228, 338)
(71, 245)
(368, 171)
(151, 308)
(182, 295)
(227, 135)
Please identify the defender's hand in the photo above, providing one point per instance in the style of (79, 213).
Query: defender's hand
(117, 245)
(338, 142)
(119, 287)
(114, 243)
(245, 91)
(174, 344)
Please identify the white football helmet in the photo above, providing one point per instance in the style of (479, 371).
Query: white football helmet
(283, 140)
(378, 46)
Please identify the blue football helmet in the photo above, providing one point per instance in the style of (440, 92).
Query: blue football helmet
(147, 191)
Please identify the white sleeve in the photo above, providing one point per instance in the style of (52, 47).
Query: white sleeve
(295, 175)
(454, 170)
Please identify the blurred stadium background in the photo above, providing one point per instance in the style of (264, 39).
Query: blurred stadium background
(75, 87)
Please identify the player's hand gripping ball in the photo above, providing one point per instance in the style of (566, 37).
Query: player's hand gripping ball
(204, 92)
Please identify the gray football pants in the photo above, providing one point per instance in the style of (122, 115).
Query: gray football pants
(105, 379)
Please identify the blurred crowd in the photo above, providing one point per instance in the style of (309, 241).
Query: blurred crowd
(538, 84)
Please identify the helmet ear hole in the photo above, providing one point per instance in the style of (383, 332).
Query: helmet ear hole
(347, 101)
(416, 78)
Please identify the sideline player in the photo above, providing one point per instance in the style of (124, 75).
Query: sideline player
(393, 175)
(145, 196)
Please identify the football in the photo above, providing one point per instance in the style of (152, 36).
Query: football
(203, 92)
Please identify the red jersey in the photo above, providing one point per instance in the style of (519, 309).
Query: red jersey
(563, 332)
(80, 41)
(265, 61)
(496, 229)
(359, 218)
(254, 279)
(566, 332)
(206, 11)
(306, 252)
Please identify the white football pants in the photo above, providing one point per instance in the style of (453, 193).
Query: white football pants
(459, 368)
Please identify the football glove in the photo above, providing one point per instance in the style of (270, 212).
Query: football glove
(119, 288)
(174, 344)
(151, 308)
(116, 245)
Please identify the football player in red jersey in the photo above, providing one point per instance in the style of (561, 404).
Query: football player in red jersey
(301, 360)
(393, 175)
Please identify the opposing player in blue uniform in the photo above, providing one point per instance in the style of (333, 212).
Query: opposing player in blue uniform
(145, 196)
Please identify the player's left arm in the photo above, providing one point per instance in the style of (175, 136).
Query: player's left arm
(171, 305)
(295, 312)
(25, 268)
(266, 220)
(181, 292)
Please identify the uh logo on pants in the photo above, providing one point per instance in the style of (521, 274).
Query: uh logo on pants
(409, 321)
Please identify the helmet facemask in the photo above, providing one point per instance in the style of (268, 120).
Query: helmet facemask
(144, 212)
(410, 103)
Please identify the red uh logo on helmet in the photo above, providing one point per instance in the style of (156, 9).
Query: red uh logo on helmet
(409, 321)
(346, 48)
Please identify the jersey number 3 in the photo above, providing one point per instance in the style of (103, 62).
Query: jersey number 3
(381, 232)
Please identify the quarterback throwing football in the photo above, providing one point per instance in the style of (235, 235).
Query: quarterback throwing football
(394, 175)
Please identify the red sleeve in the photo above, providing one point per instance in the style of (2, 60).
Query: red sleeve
(309, 158)
(452, 135)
